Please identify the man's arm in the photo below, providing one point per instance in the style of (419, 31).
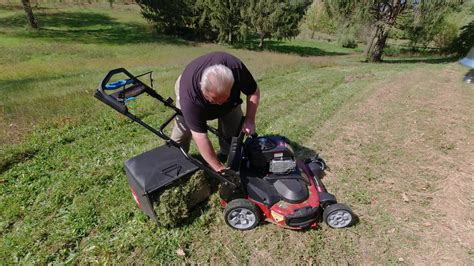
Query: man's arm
(252, 104)
(207, 151)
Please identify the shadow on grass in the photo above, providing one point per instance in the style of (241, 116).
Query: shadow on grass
(437, 60)
(282, 47)
(15, 158)
(10, 7)
(302, 151)
(86, 27)
(18, 84)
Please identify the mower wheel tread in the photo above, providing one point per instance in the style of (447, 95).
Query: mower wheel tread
(340, 212)
(242, 205)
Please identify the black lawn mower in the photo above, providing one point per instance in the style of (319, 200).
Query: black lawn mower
(263, 180)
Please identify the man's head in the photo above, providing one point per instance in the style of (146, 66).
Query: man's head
(216, 84)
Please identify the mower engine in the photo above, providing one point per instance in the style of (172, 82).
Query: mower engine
(270, 155)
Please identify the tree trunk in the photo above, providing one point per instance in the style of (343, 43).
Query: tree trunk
(33, 23)
(376, 44)
(386, 19)
(262, 36)
(370, 41)
(377, 51)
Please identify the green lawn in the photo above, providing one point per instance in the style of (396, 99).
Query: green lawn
(63, 192)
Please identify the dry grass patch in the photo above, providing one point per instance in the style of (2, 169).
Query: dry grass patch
(401, 157)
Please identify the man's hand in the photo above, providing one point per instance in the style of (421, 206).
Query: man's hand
(248, 127)
(207, 151)
(228, 172)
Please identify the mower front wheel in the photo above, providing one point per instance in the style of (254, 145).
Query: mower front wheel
(241, 214)
(338, 216)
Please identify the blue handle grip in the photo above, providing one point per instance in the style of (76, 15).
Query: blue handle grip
(117, 84)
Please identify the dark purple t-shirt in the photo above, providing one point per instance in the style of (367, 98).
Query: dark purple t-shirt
(196, 109)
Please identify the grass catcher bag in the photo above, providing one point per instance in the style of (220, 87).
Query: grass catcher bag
(166, 185)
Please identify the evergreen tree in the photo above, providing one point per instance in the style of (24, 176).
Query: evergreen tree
(274, 19)
(170, 16)
(223, 16)
(226, 20)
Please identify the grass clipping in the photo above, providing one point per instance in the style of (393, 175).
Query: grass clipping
(176, 202)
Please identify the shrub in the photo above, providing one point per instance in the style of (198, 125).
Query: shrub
(317, 19)
(464, 41)
(446, 35)
(347, 41)
(347, 37)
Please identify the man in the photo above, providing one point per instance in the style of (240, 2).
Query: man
(209, 88)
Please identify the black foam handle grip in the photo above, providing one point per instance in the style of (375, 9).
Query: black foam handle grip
(112, 102)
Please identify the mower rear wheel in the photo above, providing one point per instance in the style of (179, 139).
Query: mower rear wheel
(241, 214)
(338, 216)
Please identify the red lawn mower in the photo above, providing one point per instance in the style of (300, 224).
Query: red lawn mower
(263, 180)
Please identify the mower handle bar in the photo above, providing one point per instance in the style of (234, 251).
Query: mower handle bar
(117, 101)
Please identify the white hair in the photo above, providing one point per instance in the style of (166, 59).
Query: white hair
(218, 78)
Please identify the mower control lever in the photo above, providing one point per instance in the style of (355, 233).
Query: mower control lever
(105, 85)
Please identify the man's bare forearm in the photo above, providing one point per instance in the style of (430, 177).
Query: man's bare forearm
(251, 112)
(207, 151)
(252, 105)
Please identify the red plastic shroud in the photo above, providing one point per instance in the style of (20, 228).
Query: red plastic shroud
(276, 213)
(136, 198)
